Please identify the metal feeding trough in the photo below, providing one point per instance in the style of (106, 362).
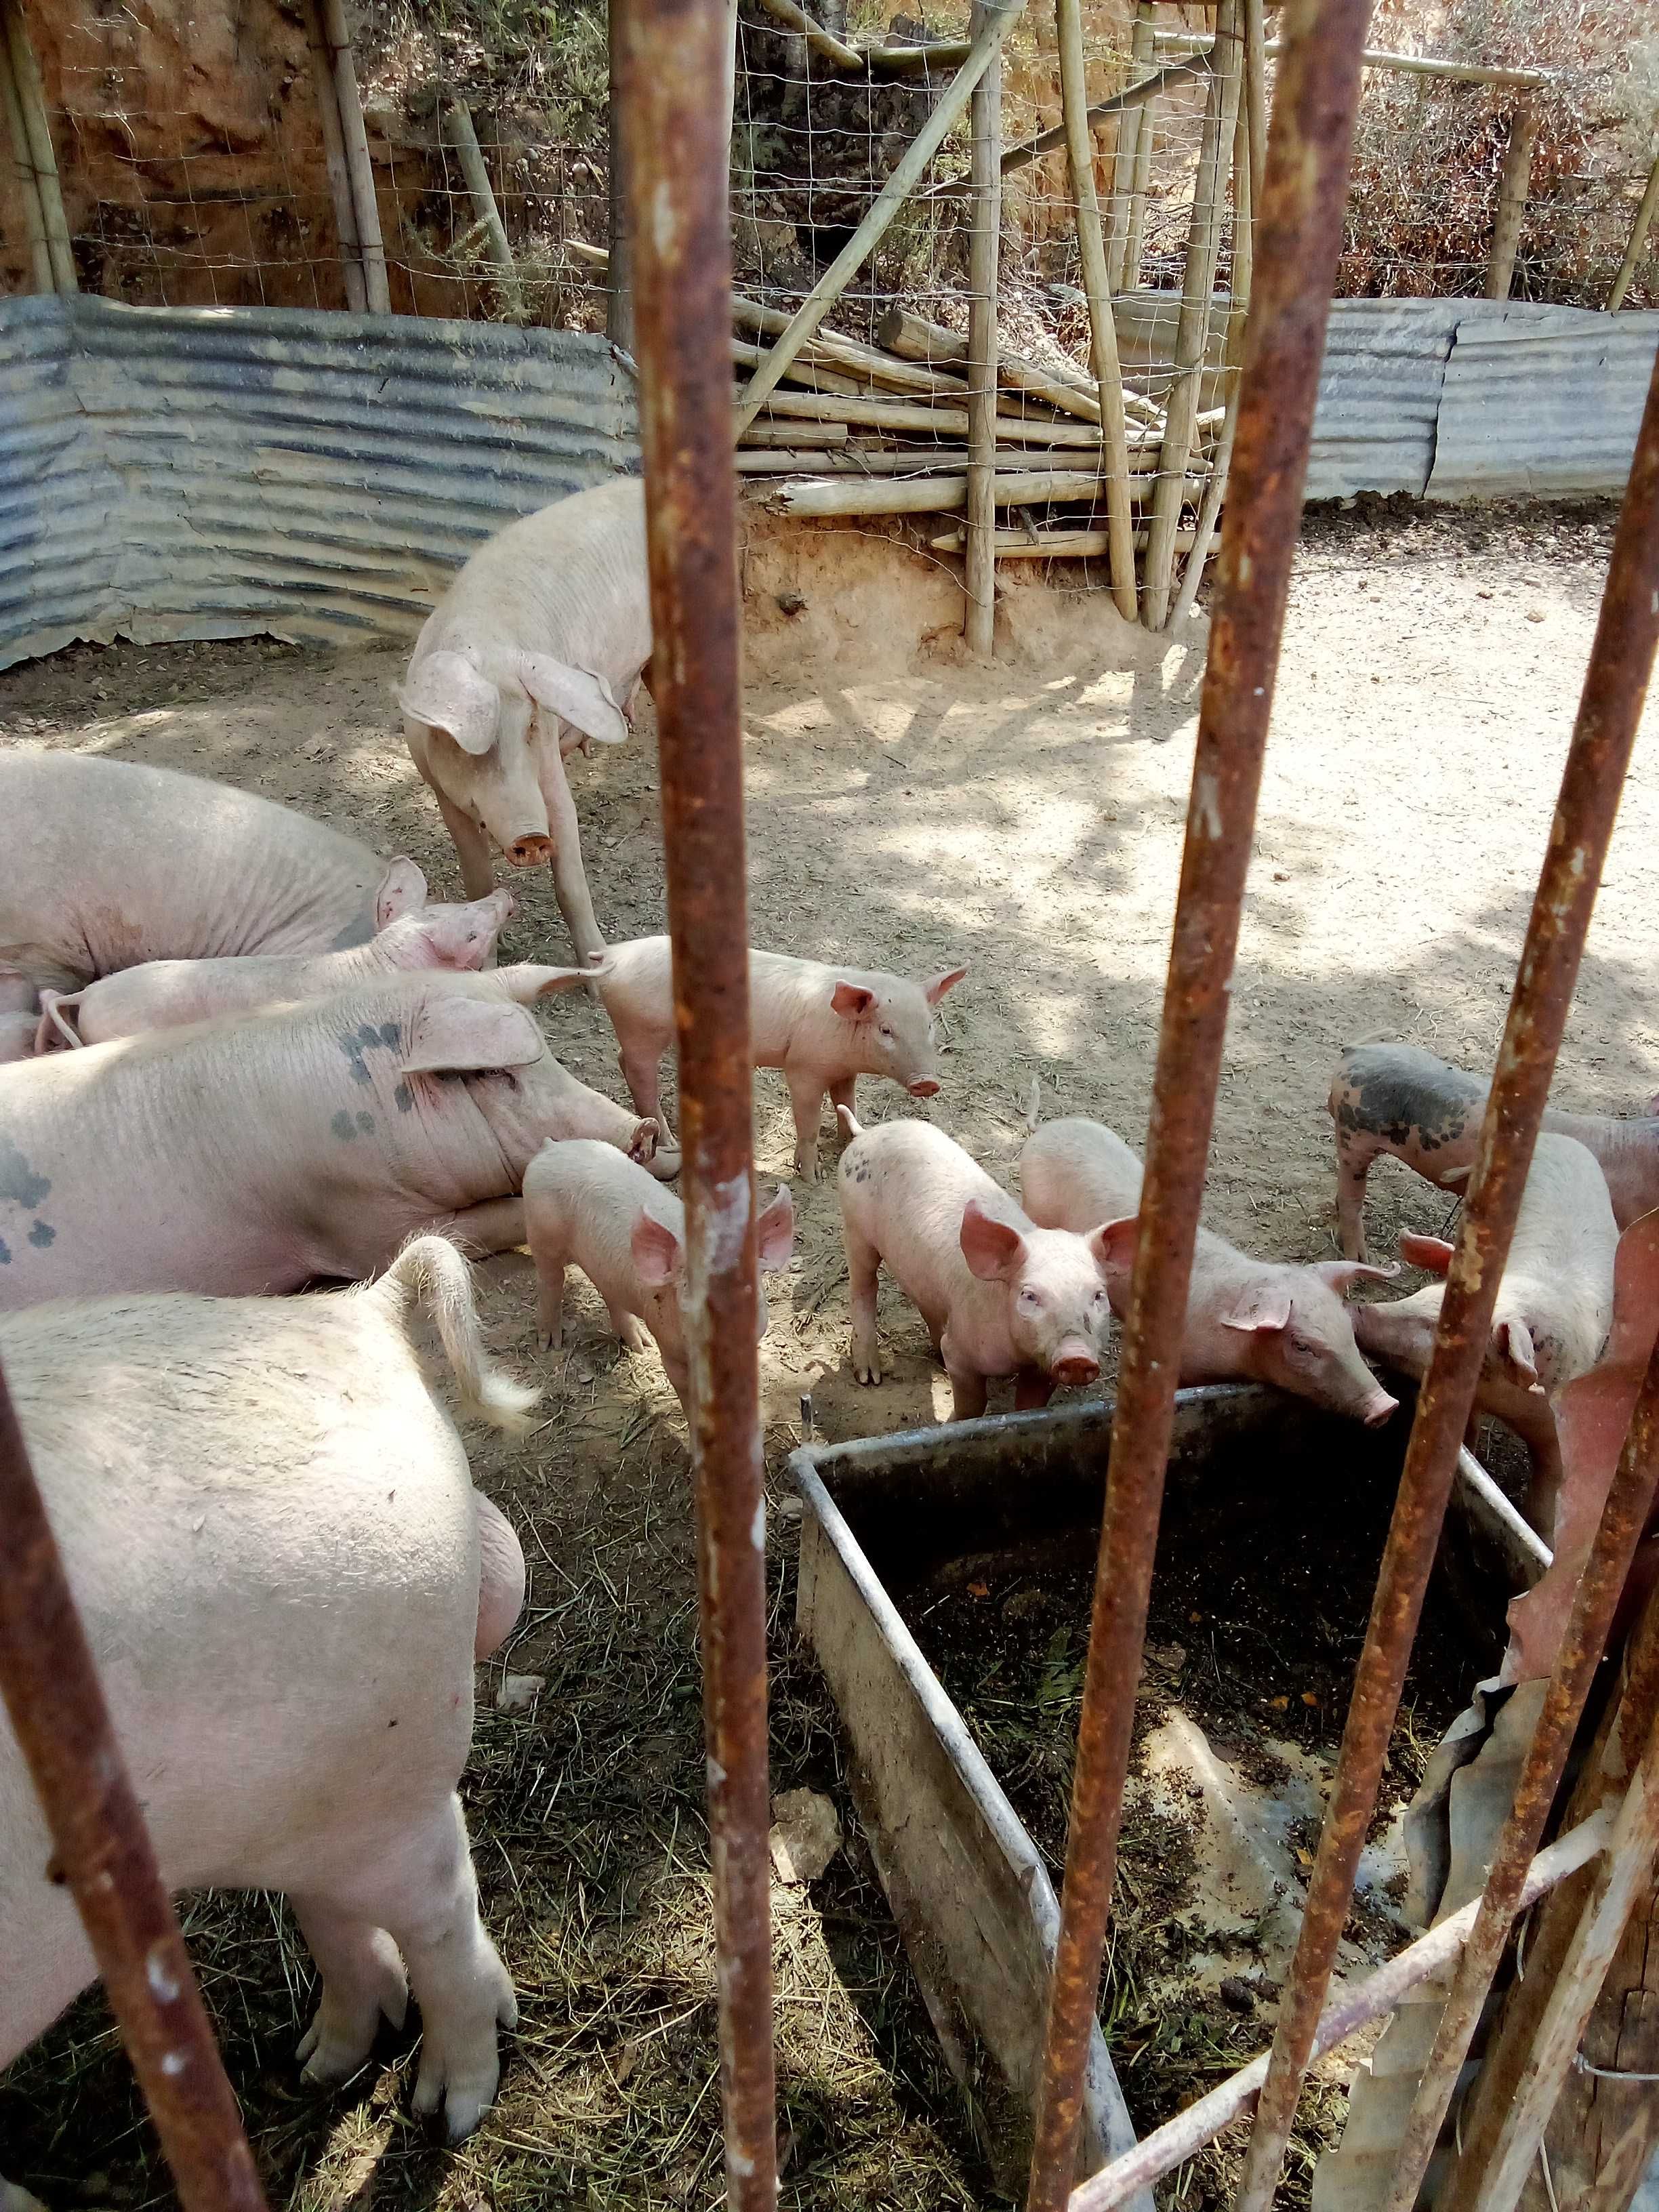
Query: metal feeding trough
(966, 1885)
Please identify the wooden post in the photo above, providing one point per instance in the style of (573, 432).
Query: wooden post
(1192, 330)
(1102, 332)
(619, 270)
(1133, 122)
(1512, 188)
(37, 136)
(1602, 2133)
(458, 121)
(29, 183)
(1637, 241)
(881, 212)
(986, 185)
(334, 158)
(1134, 215)
(361, 170)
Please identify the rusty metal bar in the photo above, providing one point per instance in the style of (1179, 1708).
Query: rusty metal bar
(1298, 238)
(1615, 682)
(674, 60)
(1620, 661)
(102, 1850)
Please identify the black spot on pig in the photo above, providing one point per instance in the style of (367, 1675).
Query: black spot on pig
(1404, 1102)
(5, 1252)
(365, 1123)
(357, 1044)
(18, 1179)
(404, 1097)
(355, 932)
(344, 1126)
(41, 1235)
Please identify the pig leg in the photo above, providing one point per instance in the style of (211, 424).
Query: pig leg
(806, 1102)
(471, 847)
(363, 1977)
(1355, 1151)
(641, 1071)
(500, 1577)
(968, 1393)
(495, 1224)
(569, 882)
(863, 1260)
(17, 994)
(631, 1332)
(550, 1301)
(1032, 1390)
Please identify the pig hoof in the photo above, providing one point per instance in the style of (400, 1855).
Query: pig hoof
(808, 1169)
(665, 1166)
(866, 1372)
(546, 1342)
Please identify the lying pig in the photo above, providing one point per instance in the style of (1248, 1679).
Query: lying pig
(1000, 1295)
(257, 1151)
(105, 864)
(537, 647)
(1396, 1098)
(1554, 1306)
(267, 1520)
(165, 994)
(586, 1207)
(824, 1026)
(1257, 1321)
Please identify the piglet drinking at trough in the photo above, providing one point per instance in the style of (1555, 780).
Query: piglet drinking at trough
(537, 647)
(166, 994)
(268, 1524)
(257, 1151)
(105, 864)
(824, 1026)
(1397, 1098)
(586, 1205)
(1257, 1321)
(1554, 1306)
(1000, 1296)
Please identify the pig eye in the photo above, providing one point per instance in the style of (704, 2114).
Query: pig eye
(886, 1032)
(1030, 1300)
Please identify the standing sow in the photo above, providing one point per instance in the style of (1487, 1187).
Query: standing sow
(269, 1526)
(537, 647)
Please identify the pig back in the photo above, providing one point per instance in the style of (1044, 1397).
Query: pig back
(106, 864)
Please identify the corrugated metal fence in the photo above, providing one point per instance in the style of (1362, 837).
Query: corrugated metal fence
(211, 473)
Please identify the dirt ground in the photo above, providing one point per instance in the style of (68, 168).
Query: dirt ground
(1027, 819)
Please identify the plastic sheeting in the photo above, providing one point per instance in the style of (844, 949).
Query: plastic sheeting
(174, 473)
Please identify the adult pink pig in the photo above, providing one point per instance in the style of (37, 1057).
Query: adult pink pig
(258, 1151)
(105, 864)
(1258, 1320)
(824, 1026)
(1000, 1295)
(166, 994)
(537, 647)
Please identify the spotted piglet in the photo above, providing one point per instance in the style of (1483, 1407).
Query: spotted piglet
(588, 1206)
(824, 1026)
(1000, 1295)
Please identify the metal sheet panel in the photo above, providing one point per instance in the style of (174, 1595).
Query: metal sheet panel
(174, 473)
(1380, 395)
(1542, 402)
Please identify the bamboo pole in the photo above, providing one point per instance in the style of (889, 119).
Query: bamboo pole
(1203, 248)
(944, 494)
(334, 160)
(1046, 545)
(1126, 102)
(1638, 240)
(1102, 332)
(1128, 145)
(852, 460)
(915, 415)
(1513, 186)
(618, 258)
(1066, 387)
(464, 137)
(893, 194)
(985, 181)
(794, 434)
(1134, 213)
(360, 169)
(37, 136)
(833, 350)
(29, 183)
(1199, 42)
(1248, 152)
(821, 41)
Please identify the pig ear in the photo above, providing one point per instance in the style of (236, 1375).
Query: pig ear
(403, 890)
(853, 1001)
(992, 1249)
(657, 1250)
(1431, 1252)
(446, 691)
(774, 1232)
(1343, 1275)
(1113, 1245)
(576, 694)
(1512, 1342)
(456, 1036)
(525, 982)
(1262, 1309)
(935, 990)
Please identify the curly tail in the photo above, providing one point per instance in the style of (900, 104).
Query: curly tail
(431, 1272)
(853, 1127)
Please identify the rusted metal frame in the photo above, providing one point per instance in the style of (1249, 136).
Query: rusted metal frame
(1620, 659)
(1346, 2012)
(1599, 1590)
(102, 1850)
(673, 56)
(1299, 237)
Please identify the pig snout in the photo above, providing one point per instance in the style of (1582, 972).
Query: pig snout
(534, 849)
(1075, 1365)
(1378, 1408)
(923, 1087)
